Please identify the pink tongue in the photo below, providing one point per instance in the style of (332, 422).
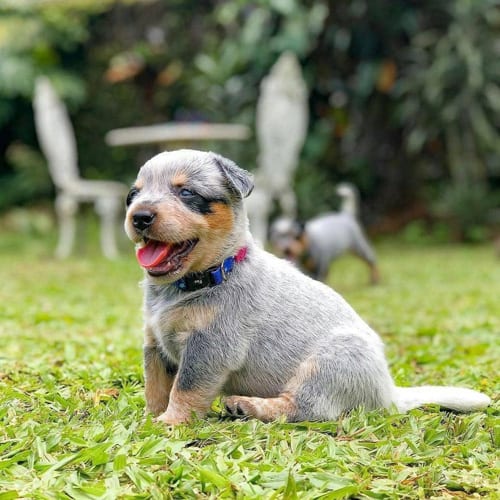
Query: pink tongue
(152, 254)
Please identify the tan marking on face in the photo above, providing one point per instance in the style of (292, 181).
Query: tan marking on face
(265, 409)
(189, 318)
(221, 219)
(139, 183)
(179, 179)
(209, 250)
(298, 247)
(183, 404)
(175, 223)
(292, 248)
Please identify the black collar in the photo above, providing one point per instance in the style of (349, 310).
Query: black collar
(211, 277)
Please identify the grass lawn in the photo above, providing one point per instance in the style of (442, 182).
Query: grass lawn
(72, 421)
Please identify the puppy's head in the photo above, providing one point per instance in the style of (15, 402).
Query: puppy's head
(287, 238)
(185, 212)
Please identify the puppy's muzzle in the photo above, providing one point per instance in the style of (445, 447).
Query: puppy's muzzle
(143, 219)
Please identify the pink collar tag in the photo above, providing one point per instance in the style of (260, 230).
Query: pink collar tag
(242, 253)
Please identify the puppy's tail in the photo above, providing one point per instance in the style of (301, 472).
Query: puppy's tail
(349, 199)
(452, 398)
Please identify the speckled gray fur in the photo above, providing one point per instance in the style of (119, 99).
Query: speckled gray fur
(270, 319)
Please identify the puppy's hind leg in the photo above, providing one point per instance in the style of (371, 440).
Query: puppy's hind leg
(269, 409)
(347, 373)
(362, 248)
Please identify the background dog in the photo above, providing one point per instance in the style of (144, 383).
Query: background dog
(223, 316)
(313, 246)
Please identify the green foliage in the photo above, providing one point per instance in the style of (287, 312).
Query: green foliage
(420, 233)
(381, 75)
(49, 30)
(467, 208)
(32, 179)
(451, 86)
(53, 34)
(245, 40)
(72, 421)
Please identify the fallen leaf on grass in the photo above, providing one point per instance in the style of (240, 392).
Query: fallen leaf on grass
(105, 395)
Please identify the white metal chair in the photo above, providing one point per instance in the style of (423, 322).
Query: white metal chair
(57, 141)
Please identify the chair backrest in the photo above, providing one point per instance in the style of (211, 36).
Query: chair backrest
(55, 134)
(281, 120)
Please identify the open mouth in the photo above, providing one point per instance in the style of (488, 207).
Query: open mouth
(160, 258)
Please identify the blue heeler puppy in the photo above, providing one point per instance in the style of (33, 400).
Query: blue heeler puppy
(313, 246)
(224, 317)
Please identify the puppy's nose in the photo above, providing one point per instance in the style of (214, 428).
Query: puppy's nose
(143, 219)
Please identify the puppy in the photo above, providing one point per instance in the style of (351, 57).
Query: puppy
(222, 316)
(313, 246)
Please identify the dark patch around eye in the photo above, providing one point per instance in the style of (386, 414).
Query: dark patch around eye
(197, 203)
(131, 195)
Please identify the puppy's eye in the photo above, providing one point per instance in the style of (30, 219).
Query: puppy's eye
(131, 195)
(186, 193)
(194, 201)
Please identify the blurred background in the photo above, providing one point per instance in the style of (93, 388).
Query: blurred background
(404, 97)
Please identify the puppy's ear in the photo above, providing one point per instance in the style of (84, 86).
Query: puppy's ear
(240, 181)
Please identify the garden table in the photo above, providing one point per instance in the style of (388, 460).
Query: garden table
(177, 132)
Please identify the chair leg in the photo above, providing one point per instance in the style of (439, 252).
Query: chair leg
(66, 208)
(108, 210)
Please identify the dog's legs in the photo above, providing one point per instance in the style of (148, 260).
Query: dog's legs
(202, 372)
(159, 376)
(322, 270)
(374, 273)
(184, 403)
(364, 251)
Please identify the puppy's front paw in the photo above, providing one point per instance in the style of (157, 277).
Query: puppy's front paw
(156, 398)
(156, 409)
(170, 418)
